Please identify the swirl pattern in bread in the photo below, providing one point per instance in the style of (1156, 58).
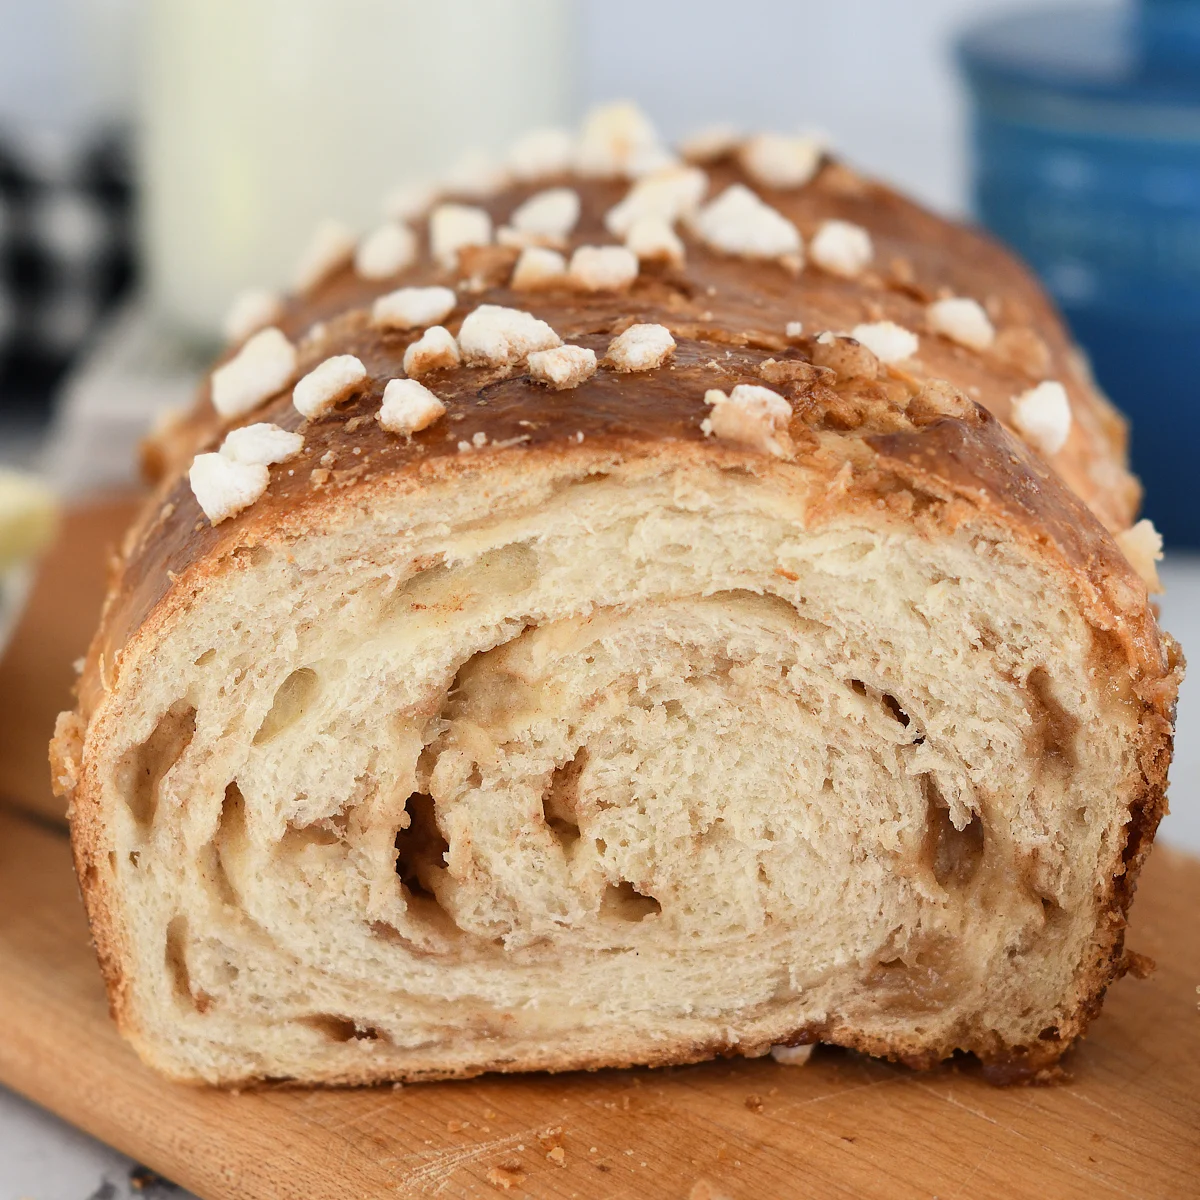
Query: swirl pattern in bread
(594, 718)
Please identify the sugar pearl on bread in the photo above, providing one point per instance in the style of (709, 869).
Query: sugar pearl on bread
(251, 310)
(541, 153)
(563, 367)
(602, 268)
(455, 226)
(651, 239)
(224, 487)
(617, 139)
(710, 143)
(413, 307)
(493, 335)
(261, 444)
(408, 407)
(327, 383)
(1043, 416)
(841, 248)
(1142, 545)
(552, 213)
(962, 320)
(780, 161)
(538, 267)
(751, 415)
(330, 248)
(737, 222)
(641, 348)
(888, 341)
(435, 350)
(386, 251)
(263, 366)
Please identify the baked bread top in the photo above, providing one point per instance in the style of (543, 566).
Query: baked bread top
(817, 357)
(934, 430)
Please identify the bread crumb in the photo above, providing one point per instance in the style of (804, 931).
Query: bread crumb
(329, 249)
(223, 487)
(617, 139)
(794, 329)
(327, 383)
(493, 335)
(778, 372)
(435, 350)
(251, 310)
(710, 143)
(1142, 545)
(1042, 416)
(563, 366)
(848, 357)
(558, 1156)
(962, 320)
(455, 226)
(263, 366)
(536, 268)
(408, 407)
(413, 307)
(791, 1056)
(505, 1177)
(703, 1190)
(552, 213)
(751, 415)
(754, 1103)
(262, 443)
(641, 348)
(652, 239)
(841, 248)
(888, 341)
(602, 268)
(386, 251)
(671, 193)
(409, 200)
(541, 152)
(737, 222)
(780, 161)
(939, 398)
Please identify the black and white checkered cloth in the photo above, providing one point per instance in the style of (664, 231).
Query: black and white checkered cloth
(66, 256)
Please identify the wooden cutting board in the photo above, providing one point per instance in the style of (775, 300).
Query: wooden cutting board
(1127, 1124)
(36, 671)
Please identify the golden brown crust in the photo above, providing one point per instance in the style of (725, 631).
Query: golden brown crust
(932, 452)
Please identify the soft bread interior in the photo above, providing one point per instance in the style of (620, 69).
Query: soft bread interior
(627, 768)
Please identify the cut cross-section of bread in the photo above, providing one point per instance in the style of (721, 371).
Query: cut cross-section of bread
(634, 722)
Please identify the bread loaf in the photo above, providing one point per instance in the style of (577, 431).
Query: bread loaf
(700, 616)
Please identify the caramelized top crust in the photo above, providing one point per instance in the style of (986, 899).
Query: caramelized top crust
(935, 422)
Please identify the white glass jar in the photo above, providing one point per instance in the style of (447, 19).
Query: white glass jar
(261, 117)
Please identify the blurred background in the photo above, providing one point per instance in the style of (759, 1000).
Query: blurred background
(159, 156)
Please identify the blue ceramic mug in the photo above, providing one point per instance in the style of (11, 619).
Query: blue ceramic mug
(1086, 147)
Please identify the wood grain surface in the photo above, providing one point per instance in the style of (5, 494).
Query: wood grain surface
(36, 672)
(1126, 1124)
